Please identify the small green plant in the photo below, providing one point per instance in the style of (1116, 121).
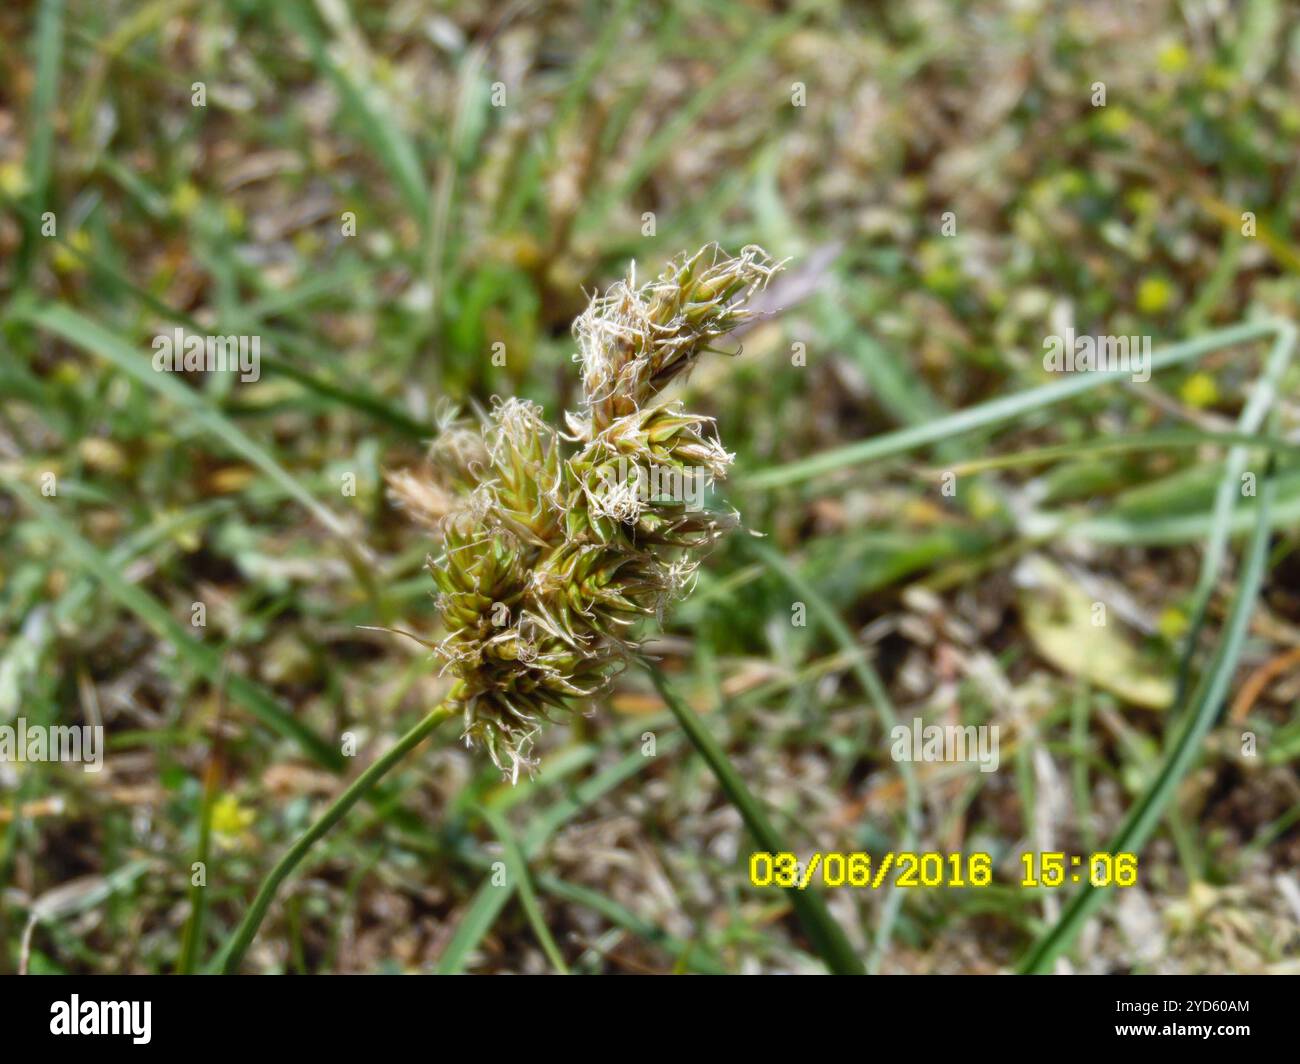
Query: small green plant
(555, 545)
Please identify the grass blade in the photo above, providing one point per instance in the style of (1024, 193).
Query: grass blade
(826, 935)
(1143, 441)
(759, 45)
(1208, 699)
(203, 659)
(49, 47)
(1252, 416)
(875, 689)
(692, 955)
(373, 119)
(232, 952)
(491, 899)
(998, 411)
(518, 868)
(97, 340)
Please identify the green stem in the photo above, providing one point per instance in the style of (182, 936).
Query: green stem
(232, 954)
(826, 935)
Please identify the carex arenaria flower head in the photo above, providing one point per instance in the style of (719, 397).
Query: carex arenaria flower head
(555, 545)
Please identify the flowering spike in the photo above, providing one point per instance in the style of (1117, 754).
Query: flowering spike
(549, 561)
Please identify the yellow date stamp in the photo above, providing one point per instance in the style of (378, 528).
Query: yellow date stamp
(933, 870)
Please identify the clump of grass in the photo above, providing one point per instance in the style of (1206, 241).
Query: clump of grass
(552, 546)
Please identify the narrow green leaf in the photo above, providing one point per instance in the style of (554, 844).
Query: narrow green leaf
(518, 868)
(205, 660)
(97, 340)
(1208, 699)
(370, 112)
(875, 689)
(998, 411)
(40, 149)
(1142, 441)
(825, 934)
(490, 899)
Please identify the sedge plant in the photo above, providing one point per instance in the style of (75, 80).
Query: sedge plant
(556, 551)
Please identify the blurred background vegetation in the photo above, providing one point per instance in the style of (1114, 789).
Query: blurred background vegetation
(500, 161)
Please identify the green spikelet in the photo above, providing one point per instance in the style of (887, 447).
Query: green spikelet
(548, 562)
